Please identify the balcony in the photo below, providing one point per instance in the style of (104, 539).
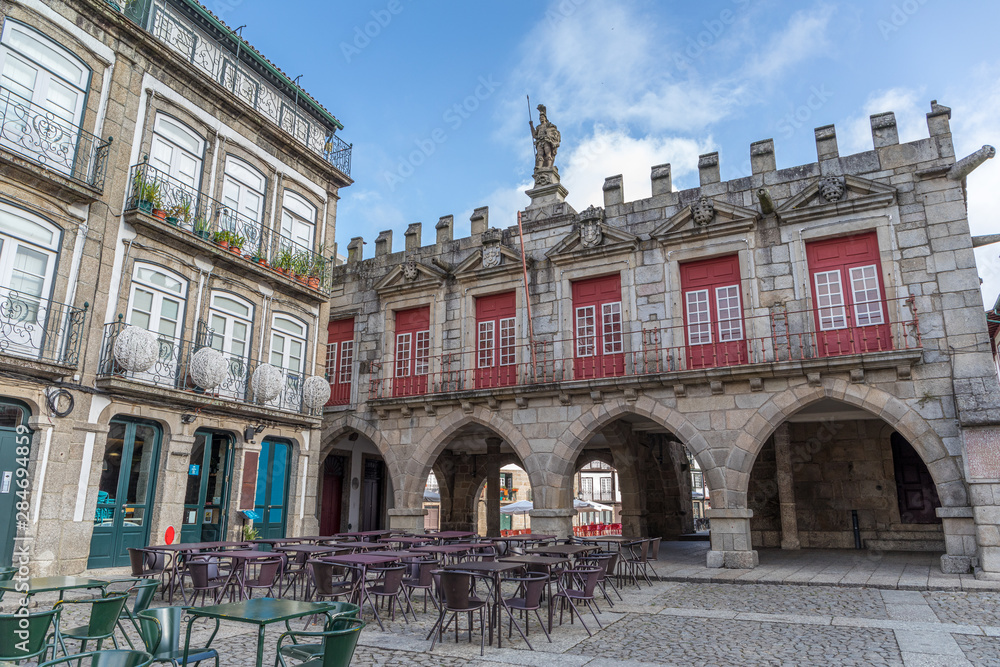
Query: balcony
(598, 496)
(221, 55)
(40, 335)
(169, 379)
(782, 343)
(44, 139)
(174, 211)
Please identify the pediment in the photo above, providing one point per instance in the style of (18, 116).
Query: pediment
(473, 269)
(836, 195)
(592, 236)
(409, 276)
(702, 220)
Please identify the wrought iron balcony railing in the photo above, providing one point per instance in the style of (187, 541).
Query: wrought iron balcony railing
(782, 336)
(220, 60)
(177, 204)
(171, 371)
(35, 133)
(39, 329)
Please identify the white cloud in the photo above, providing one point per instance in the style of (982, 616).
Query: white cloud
(910, 107)
(804, 38)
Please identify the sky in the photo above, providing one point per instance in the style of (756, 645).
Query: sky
(433, 94)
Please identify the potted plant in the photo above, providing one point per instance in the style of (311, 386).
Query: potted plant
(283, 262)
(258, 257)
(301, 264)
(201, 228)
(179, 214)
(221, 238)
(236, 243)
(316, 267)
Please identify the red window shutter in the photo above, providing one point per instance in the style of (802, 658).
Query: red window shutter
(598, 327)
(412, 349)
(714, 328)
(496, 357)
(340, 360)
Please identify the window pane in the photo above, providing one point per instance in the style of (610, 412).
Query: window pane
(699, 327)
(611, 322)
(585, 330)
(867, 300)
(507, 342)
(331, 361)
(830, 301)
(486, 333)
(727, 303)
(403, 355)
(346, 362)
(422, 353)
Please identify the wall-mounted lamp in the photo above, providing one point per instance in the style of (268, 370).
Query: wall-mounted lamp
(187, 418)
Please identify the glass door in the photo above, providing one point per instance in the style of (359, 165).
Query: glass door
(206, 495)
(271, 501)
(125, 492)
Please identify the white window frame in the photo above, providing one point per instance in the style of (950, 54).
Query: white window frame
(239, 176)
(867, 311)
(230, 317)
(159, 293)
(403, 350)
(487, 340)
(287, 337)
(298, 212)
(346, 370)
(699, 317)
(183, 142)
(586, 331)
(611, 327)
(830, 306)
(508, 341)
(731, 314)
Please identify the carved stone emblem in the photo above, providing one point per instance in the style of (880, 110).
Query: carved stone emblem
(410, 269)
(832, 188)
(491, 255)
(703, 211)
(591, 232)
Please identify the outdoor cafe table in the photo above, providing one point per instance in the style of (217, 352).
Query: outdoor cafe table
(493, 570)
(444, 535)
(49, 584)
(548, 562)
(260, 612)
(365, 534)
(362, 561)
(562, 549)
(449, 550)
(238, 572)
(405, 539)
(175, 550)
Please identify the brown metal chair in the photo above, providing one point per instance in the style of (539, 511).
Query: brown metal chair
(527, 598)
(455, 586)
(331, 581)
(420, 577)
(388, 586)
(205, 577)
(268, 576)
(637, 560)
(575, 586)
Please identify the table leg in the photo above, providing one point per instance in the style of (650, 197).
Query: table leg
(260, 646)
(495, 612)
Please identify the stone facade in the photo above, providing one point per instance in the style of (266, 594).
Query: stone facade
(791, 427)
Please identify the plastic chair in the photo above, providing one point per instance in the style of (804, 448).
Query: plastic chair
(421, 578)
(455, 586)
(160, 629)
(144, 592)
(205, 577)
(104, 614)
(108, 658)
(268, 575)
(337, 647)
(388, 586)
(39, 623)
(339, 612)
(528, 598)
(575, 586)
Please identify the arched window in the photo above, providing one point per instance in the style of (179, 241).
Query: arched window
(157, 299)
(231, 321)
(177, 151)
(298, 220)
(288, 342)
(243, 194)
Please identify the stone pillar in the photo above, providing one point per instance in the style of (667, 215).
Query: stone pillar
(410, 519)
(634, 522)
(786, 488)
(493, 487)
(959, 539)
(730, 532)
(552, 522)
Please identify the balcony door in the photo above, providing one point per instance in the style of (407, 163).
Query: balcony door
(496, 354)
(298, 221)
(15, 451)
(44, 89)
(598, 334)
(231, 321)
(243, 195)
(413, 347)
(156, 302)
(28, 253)
(850, 309)
(713, 313)
(288, 351)
(340, 360)
(207, 491)
(177, 152)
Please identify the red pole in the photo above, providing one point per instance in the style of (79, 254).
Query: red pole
(527, 297)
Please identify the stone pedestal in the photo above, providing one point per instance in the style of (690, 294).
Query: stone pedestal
(552, 522)
(409, 519)
(634, 522)
(786, 488)
(547, 191)
(730, 532)
(959, 539)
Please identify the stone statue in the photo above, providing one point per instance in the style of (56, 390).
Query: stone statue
(547, 138)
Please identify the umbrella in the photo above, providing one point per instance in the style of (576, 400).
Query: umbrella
(520, 507)
(590, 506)
(432, 496)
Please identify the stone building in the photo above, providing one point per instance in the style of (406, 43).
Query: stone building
(813, 336)
(161, 364)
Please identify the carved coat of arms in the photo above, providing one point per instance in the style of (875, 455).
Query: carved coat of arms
(832, 188)
(410, 269)
(590, 232)
(703, 211)
(491, 255)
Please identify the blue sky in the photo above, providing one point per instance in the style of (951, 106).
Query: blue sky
(432, 94)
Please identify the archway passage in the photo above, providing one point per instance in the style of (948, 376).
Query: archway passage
(837, 476)
(356, 484)
(514, 488)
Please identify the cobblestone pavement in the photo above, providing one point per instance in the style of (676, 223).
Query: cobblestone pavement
(683, 623)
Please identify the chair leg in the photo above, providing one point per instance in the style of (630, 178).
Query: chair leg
(541, 623)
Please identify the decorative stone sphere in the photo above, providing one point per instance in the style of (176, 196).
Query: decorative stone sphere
(209, 368)
(136, 349)
(315, 392)
(266, 382)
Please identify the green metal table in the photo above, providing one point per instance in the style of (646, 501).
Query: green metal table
(49, 584)
(260, 612)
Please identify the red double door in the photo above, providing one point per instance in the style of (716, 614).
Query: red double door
(413, 346)
(496, 351)
(340, 360)
(713, 313)
(849, 299)
(597, 324)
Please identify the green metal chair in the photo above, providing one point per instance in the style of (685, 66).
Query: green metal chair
(6, 574)
(144, 592)
(108, 658)
(340, 613)
(15, 646)
(160, 629)
(104, 615)
(337, 648)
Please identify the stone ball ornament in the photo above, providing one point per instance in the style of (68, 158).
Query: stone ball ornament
(136, 349)
(266, 382)
(209, 368)
(315, 392)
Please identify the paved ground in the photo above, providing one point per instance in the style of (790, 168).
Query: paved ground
(704, 623)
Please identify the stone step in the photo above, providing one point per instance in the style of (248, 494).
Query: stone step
(916, 528)
(895, 544)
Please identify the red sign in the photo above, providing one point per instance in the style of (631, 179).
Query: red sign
(168, 537)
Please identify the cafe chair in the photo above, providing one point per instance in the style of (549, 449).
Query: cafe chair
(37, 645)
(338, 644)
(455, 586)
(339, 611)
(6, 574)
(104, 614)
(331, 580)
(575, 586)
(144, 592)
(421, 579)
(388, 586)
(108, 658)
(603, 562)
(147, 563)
(160, 629)
(527, 598)
(205, 578)
(637, 561)
(654, 554)
(268, 576)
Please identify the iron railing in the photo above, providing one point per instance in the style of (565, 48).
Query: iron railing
(781, 336)
(220, 61)
(41, 136)
(177, 204)
(171, 371)
(35, 328)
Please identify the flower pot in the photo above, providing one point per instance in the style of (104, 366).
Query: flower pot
(146, 206)
(172, 220)
(314, 282)
(236, 251)
(223, 244)
(301, 278)
(262, 262)
(159, 213)
(203, 233)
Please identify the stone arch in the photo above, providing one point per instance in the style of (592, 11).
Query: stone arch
(896, 413)
(423, 456)
(480, 480)
(353, 423)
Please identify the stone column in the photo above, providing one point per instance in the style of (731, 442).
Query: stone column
(409, 519)
(786, 488)
(557, 522)
(493, 487)
(959, 539)
(731, 539)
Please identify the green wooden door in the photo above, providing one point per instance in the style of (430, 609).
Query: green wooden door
(125, 493)
(207, 493)
(271, 501)
(15, 451)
